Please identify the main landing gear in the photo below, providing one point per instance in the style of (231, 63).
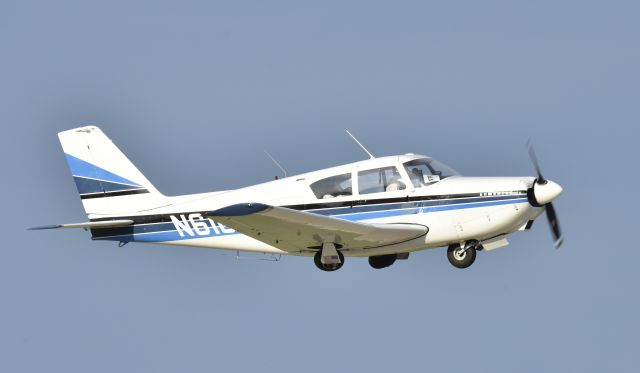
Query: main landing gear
(462, 256)
(329, 258)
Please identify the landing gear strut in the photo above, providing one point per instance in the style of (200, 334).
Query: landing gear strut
(463, 256)
(329, 258)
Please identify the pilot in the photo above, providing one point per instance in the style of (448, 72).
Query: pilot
(416, 176)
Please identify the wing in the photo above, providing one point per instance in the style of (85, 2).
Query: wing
(293, 230)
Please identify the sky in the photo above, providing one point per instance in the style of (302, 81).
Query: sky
(195, 91)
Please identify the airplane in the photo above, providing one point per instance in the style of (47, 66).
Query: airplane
(382, 208)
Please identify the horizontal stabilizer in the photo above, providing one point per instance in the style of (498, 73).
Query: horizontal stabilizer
(88, 225)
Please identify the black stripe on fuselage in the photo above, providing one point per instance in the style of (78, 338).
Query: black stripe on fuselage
(113, 194)
(380, 201)
(336, 208)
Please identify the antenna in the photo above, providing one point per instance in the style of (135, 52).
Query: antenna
(362, 146)
(277, 164)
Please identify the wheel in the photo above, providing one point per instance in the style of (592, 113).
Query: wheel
(382, 261)
(460, 257)
(328, 268)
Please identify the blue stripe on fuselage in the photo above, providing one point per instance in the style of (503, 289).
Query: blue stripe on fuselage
(424, 209)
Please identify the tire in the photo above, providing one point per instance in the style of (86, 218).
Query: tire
(316, 260)
(382, 261)
(459, 258)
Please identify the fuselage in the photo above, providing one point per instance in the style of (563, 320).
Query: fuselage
(409, 188)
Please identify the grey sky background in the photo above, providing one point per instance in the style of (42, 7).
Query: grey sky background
(194, 91)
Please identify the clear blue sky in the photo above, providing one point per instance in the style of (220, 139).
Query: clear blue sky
(193, 91)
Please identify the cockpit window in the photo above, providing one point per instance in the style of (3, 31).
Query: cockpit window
(332, 187)
(378, 180)
(427, 171)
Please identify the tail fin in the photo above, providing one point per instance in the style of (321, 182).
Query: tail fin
(108, 183)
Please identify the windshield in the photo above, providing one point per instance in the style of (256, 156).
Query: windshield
(427, 171)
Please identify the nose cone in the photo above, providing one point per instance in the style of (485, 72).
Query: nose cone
(547, 192)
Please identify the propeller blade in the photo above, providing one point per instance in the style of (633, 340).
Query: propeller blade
(534, 160)
(552, 217)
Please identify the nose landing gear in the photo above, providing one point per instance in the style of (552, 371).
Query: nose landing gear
(463, 256)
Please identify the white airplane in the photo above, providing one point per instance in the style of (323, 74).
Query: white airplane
(381, 208)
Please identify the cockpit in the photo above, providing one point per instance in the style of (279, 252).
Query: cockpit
(376, 176)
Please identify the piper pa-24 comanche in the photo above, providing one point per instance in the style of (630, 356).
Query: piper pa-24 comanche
(380, 208)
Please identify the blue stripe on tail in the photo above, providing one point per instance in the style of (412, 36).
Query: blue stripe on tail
(83, 169)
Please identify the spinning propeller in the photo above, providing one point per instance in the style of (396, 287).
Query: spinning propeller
(541, 193)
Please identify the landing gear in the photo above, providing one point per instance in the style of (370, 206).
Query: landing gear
(382, 261)
(463, 256)
(328, 258)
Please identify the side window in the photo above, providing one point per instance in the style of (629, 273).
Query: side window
(332, 187)
(386, 179)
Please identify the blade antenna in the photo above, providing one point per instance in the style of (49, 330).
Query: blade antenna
(277, 164)
(362, 146)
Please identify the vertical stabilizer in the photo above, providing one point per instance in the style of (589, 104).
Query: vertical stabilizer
(108, 183)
